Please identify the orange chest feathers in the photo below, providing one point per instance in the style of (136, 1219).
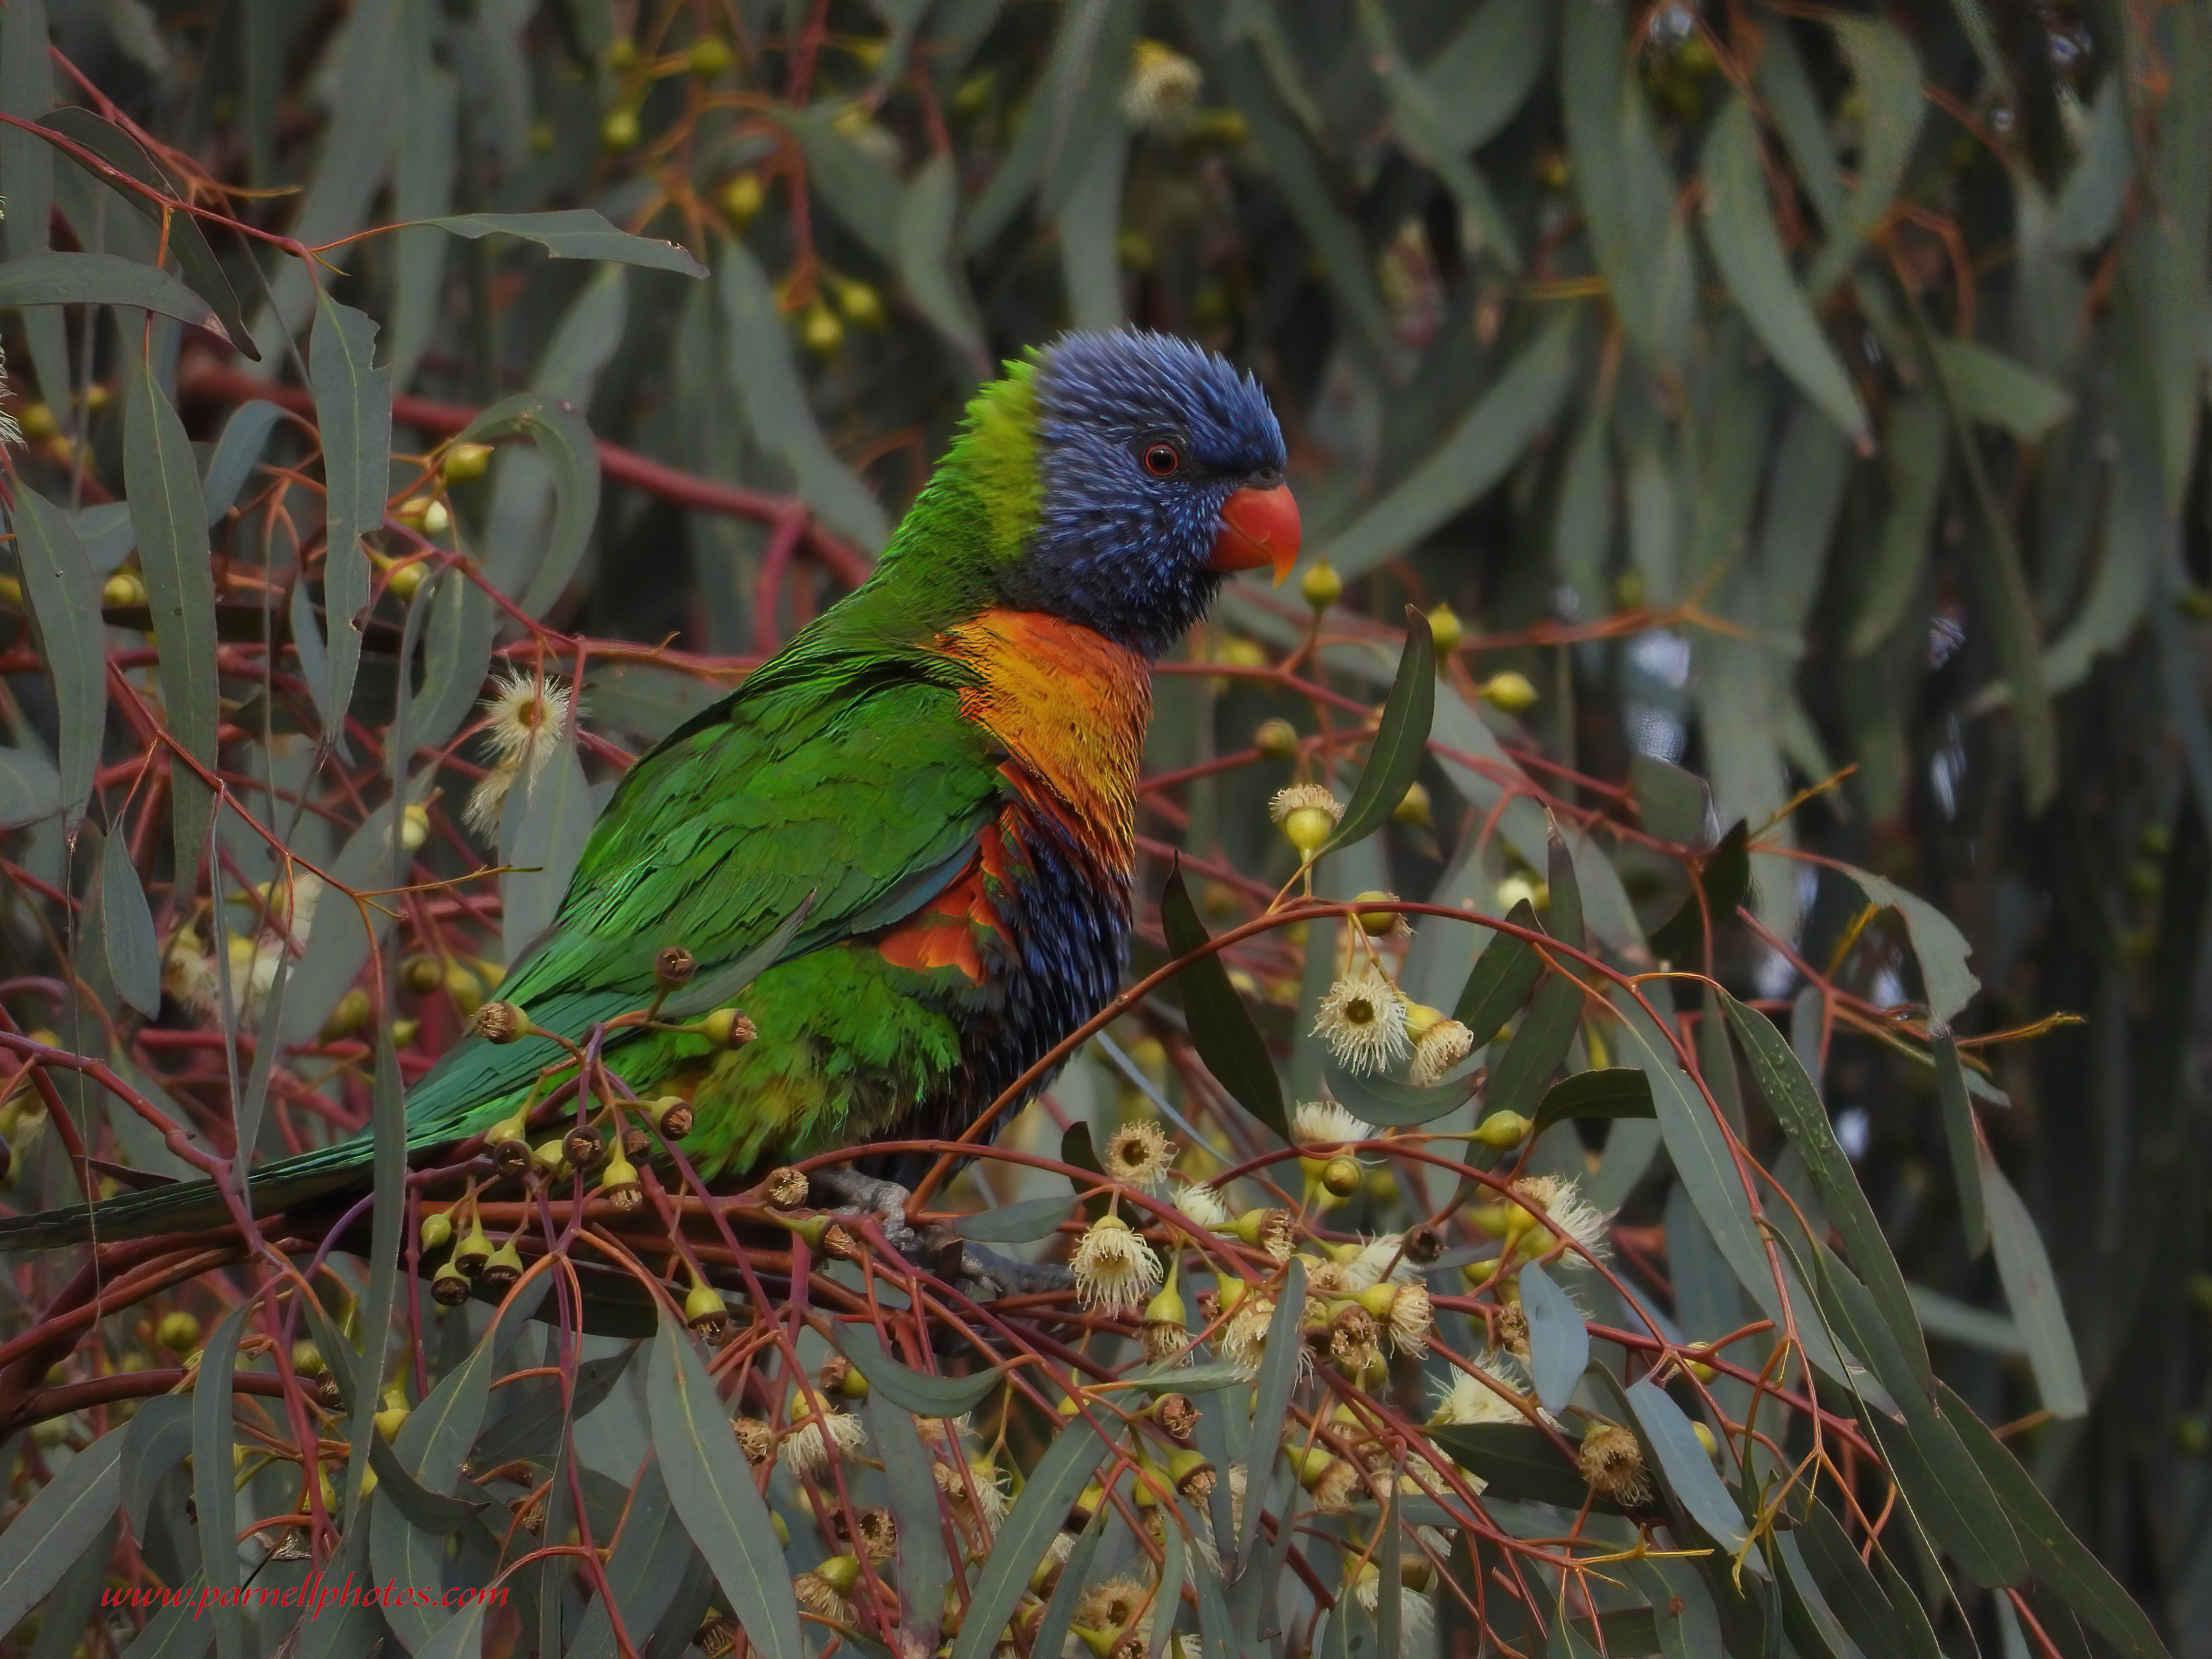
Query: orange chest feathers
(1069, 707)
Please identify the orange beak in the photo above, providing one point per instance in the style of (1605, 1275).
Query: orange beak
(1258, 526)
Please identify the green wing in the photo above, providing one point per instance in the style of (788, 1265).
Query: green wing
(856, 789)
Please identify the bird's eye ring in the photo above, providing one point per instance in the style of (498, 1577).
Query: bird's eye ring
(1161, 459)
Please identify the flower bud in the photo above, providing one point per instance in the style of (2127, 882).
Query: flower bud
(1277, 740)
(499, 1022)
(426, 514)
(421, 975)
(1320, 585)
(1375, 923)
(548, 1159)
(473, 1251)
(619, 131)
(37, 421)
(349, 1017)
(503, 1269)
(437, 1229)
(1510, 691)
(1413, 807)
(671, 1115)
(705, 1312)
(785, 1189)
(179, 1331)
(1503, 1131)
(413, 820)
(1340, 1177)
(124, 591)
(709, 57)
(404, 581)
(403, 1031)
(618, 1185)
(1309, 828)
(727, 1028)
(742, 197)
(308, 1358)
(862, 306)
(1193, 1475)
(1446, 630)
(464, 463)
(821, 330)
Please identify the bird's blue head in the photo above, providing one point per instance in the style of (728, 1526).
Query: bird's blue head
(1157, 468)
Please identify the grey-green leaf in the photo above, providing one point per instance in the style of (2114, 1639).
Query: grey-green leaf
(575, 234)
(1685, 1466)
(166, 516)
(65, 595)
(711, 1485)
(103, 279)
(1402, 738)
(1741, 232)
(62, 1518)
(1558, 1341)
(1061, 1474)
(126, 928)
(2032, 1292)
(353, 407)
(912, 1390)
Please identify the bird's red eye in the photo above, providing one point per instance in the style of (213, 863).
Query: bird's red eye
(1163, 460)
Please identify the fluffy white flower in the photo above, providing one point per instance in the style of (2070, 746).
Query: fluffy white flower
(1378, 1257)
(1301, 796)
(1325, 1123)
(806, 1450)
(1362, 1020)
(1139, 1153)
(1415, 1612)
(1201, 1207)
(1162, 89)
(1572, 1215)
(524, 720)
(1113, 1266)
(1466, 1398)
(1436, 1050)
(1411, 1319)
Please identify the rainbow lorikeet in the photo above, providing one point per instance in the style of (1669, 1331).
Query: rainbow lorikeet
(940, 772)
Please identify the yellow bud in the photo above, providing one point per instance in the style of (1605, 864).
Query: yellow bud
(727, 1028)
(465, 988)
(742, 197)
(704, 1309)
(1309, 828)
(862, 306)
(1510, 691)
(1278, 739)
(1478, 1274)
(390, 1420)
(38, 421)
(179, 1332)
(841, 1573)
(1375, 923)
(1340, 1177)
(709, 57)
(1320, 585)
(414, 821)
(349, 1017)
(1705, 1439)
(619, 131)
(98, 396)
(464, 463)
(1413, 807)
(437, 1229)
(821, 330)
(124, 591)
(403, 1031)
(308, 1358)
(621, 53)
(421, 975)
(405, 580)
(1503, 1130)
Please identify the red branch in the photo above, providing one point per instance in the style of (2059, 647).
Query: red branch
(203, 376)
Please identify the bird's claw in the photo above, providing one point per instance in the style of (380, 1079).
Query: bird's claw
(943, 1250)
